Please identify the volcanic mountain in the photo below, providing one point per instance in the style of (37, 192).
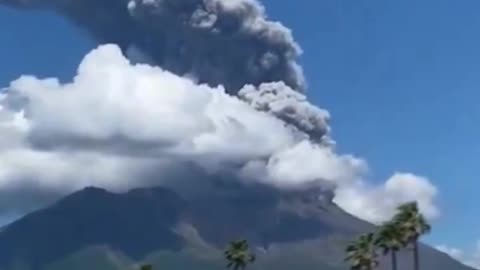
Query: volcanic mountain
(97, 229)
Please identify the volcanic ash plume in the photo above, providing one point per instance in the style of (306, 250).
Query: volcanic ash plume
(221, 95)
(227, 42)
(289, 106)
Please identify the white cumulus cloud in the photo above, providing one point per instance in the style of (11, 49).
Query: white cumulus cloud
(117, 123)
(378, 203)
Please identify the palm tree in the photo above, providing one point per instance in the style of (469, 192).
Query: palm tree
(412, 225)
(389, 238)
(362, 253)
(238, 255)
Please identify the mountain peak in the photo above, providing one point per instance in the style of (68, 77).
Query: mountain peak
(146, 221)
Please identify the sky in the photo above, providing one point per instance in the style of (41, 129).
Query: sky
(399, 78)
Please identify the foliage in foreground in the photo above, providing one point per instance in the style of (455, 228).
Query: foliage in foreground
(404, 229)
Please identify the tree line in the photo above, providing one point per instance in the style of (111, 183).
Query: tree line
(403, 230)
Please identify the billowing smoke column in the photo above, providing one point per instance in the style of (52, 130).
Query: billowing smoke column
(291, 107)
(222, 93)
(219, 42)
(227, 42)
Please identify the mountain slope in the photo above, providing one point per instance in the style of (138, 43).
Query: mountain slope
(97, 229)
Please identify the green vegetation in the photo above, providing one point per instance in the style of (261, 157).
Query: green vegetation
(238, 255)
(389, 239)
(412, 225)
(404, 229)
(362, 253)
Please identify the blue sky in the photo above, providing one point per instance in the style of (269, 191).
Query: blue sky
(400, 79)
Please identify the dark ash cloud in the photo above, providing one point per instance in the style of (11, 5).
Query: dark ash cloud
(225, 42)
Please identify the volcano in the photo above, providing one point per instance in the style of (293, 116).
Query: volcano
(97, 229)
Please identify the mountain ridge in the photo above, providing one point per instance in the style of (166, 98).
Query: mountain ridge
(302, 229)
